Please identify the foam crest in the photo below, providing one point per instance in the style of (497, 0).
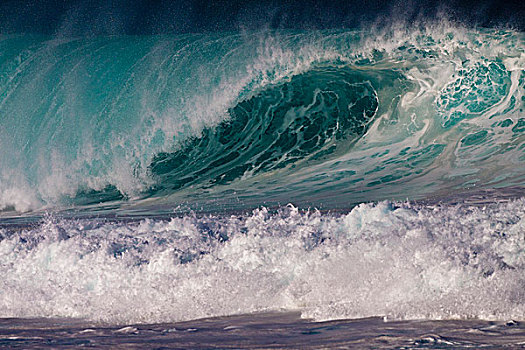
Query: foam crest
(398, 260)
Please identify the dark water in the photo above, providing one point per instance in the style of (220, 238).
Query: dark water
(264, 331)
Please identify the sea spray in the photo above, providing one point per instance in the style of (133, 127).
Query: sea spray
(399, 260)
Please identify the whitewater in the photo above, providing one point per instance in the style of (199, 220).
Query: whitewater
(259, 118)
(339, 174)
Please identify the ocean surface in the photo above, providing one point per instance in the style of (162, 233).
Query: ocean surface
(336, 174)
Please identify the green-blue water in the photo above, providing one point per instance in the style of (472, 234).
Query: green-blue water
(147, 178)
(230, 120)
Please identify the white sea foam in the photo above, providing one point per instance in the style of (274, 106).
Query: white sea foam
(397, 260)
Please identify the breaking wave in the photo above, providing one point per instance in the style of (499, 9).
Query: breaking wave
(328, 118)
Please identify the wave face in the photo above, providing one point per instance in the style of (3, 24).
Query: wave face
(322, 118)
(305, 118)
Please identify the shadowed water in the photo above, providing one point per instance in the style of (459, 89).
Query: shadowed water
(264, 331)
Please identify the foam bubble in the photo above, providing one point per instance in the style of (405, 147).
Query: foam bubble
(398, 260)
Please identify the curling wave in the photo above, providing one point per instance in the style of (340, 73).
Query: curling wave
(306, 118)
(325, 118)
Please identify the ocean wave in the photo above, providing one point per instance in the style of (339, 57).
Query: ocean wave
(418, 113)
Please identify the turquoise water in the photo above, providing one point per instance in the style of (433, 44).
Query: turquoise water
(338, 174)
(316, 118)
